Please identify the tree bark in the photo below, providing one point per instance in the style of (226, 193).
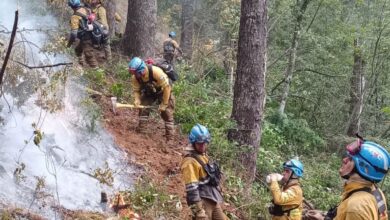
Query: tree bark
(187, 28)
(139, 36)
(111, 10)
(293, 53)
(357, 91)
(249, 88)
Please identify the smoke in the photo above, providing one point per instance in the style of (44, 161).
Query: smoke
(59, 169)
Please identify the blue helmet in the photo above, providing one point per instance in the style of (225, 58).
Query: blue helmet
(74, 3)
(137, 66)
(172, 34)
(295, 166)
(371, 161)
(199, 134)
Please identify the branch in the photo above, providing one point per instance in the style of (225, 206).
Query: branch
(11, 42)
(318, 72)
(41, 67)
(276, 86)
(277, 59)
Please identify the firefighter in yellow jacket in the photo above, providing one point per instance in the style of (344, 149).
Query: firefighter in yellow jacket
(151, 84)
(82, 33)
(170, 46)
(202, 178)
(287, 203)
(101, 17)
(365, 164)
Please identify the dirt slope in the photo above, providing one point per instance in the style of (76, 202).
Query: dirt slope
(160, 160)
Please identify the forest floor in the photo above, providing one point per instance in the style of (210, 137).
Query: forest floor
(160, 161)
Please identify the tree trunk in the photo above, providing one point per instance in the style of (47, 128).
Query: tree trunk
(292, 53)
(111, 10)
(139, 36)
(187, 28)
(357, 92)
(249, 88)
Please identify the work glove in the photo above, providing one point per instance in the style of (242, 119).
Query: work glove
(162, 107)
(198, 211)
(137, 103)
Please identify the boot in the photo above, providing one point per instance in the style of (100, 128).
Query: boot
(143, 121)
(169, 131)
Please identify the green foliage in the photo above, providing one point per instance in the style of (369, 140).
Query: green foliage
(117, 90)
(298, 137)
(152, 202)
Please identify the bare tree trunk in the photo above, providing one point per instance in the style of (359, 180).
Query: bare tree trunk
(249, 88)
(187, 28)
(293, 53)
(139, 36)
(356, 92)
(111, 10)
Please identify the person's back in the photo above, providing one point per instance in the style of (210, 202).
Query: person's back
(80, 30)
(170, 46)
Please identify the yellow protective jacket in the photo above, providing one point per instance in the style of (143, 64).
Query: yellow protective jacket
(160, 83)
(290, 197)
(75, 20)
(196, 180)
(101, 15)
(360, 205)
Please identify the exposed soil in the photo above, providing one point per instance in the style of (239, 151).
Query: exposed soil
(160, 160)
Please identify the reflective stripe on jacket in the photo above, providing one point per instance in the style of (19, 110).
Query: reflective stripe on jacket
(290, 197)
(196, 181)
(360, 205)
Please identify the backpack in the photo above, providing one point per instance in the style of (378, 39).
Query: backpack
(97, 34)
(165, 66)
(168, 47)
(212, 170)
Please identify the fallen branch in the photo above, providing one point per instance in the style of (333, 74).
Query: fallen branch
(41, 67)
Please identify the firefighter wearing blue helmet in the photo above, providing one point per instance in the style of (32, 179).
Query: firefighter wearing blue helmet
(364, 165)
(287, 200)
(81, 31)
(170, 46)
(201, 177)
(150, 85)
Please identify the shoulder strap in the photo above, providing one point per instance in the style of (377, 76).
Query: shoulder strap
(150, 70)
(196, 157)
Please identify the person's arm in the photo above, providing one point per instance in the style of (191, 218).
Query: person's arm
(102, 15)
(177, 47)
(288, 197)
(74, 27)
(136, 91)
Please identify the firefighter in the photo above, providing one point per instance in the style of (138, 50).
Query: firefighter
(287, 202)
(83, 33)
(170, 46)
(364, 165)
(150, 84)
(202, 177)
